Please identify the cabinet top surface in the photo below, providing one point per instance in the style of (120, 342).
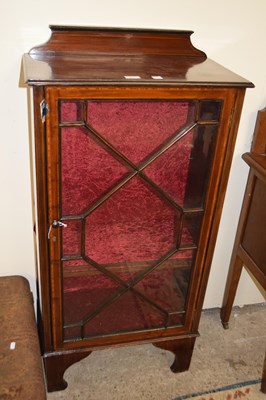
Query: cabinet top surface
(107, 56)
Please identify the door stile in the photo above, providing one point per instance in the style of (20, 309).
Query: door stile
(54, 232)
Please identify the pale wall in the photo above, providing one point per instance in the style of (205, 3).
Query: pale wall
(231, 32)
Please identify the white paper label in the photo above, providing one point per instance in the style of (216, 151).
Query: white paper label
(132, 77)
(157, 77)
(12, 345)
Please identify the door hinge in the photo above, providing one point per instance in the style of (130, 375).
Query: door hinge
(44, 109)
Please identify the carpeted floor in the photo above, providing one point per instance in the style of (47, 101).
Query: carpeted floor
(249, 390)
(221, 358)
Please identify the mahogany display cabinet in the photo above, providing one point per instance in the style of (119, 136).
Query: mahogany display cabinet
(134, 136)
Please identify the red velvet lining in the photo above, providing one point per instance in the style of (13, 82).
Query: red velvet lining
(136, 225)
(137, 128)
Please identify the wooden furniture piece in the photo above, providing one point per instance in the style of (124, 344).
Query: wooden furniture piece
(21, 371)
(250, 243)
(134, 134)
(263, 377)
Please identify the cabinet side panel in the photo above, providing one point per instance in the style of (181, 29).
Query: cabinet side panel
(231, 134)
(41, 192)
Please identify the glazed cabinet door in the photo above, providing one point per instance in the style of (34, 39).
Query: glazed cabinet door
(132, 177)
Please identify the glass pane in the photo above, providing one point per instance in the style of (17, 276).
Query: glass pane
(71, 238)
(71, 111)
(87, 169)
(128, 313)
(138, 128)
(170, 170)
(134, 225)
(85, 289)
(167, 285)
(210, 110)
(72, 333)
(204, 137)
(191, 229)
(134, 179)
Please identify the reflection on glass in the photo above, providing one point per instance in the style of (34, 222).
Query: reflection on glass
(191, 229)
(166, 286)
(134, 181)
(204, 137)
(127, 313)
(85, 289)
(210, 110)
